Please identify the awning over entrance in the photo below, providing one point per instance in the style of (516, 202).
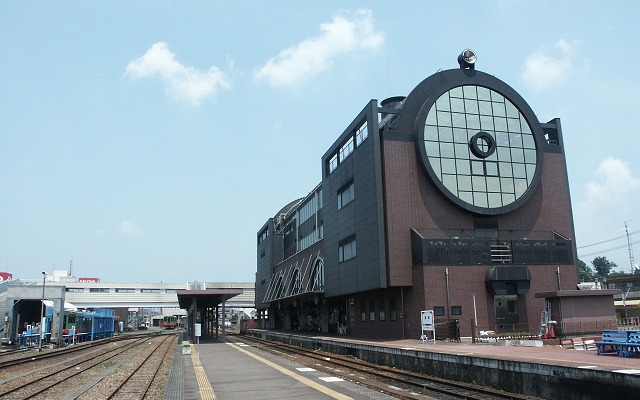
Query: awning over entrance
(207, 298)
(628, 303)
(505, 280)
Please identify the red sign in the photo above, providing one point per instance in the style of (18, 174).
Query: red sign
(89, 280)
(5, 276)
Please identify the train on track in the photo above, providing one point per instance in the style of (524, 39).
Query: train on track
(83, 325)
(169, 322)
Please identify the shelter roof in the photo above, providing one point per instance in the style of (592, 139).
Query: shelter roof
(205, 298)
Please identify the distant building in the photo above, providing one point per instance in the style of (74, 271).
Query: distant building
(454, 199)
(628, 301)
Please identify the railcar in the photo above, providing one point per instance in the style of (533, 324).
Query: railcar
(169, 322)
(84, 325)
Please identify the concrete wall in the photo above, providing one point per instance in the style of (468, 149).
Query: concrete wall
(542, 380)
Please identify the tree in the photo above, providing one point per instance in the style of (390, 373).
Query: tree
(603, 266)
(585, 273)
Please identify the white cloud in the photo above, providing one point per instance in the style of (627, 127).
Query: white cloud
(182, 82)
(545, 68)
(340, 36)
(614, 185)
(129, 228)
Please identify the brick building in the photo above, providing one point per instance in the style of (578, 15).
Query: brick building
(454, 199)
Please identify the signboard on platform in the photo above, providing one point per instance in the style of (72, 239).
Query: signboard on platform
(426, 320)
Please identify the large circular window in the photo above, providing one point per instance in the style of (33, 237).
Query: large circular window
(478, 147)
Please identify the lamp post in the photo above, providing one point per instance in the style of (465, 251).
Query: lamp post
(44, 275)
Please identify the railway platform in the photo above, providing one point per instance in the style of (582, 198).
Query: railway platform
(229, 370)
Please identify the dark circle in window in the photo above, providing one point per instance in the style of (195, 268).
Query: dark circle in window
(482, 144)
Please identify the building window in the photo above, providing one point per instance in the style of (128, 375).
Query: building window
(263, 235)
(333, 163)
(347, 249)
(295, 286)
(346, 150)
(345, 196)
(171, 290)
(393, 313)
(456, 310)
(317, 276)
(381, 315)
(361, 134)
(357, 137)
(438, 311)
(125, 290)
(75, 290)
(372, 310)
(363, 311)
(98, 290)
(149, 290)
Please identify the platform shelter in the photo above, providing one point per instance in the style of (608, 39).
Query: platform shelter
(206, 307)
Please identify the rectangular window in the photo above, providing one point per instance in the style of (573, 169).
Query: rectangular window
(75, 290)
(393, 313)
(263, 235)
(347, 249)
(361, 134)
(372, 310)
(172, 291)
(125, 290)
(381, 310)
(345, 196)
(99, 290)
(346, 149)
(456, 310)
(333, 163)
(363, 311)
(149, 290)
(438, 311)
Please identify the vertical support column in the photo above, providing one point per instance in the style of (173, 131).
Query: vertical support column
(224, 317)
(215, 316)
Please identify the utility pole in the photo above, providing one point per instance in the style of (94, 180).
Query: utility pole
(42, 306)
(630, 248)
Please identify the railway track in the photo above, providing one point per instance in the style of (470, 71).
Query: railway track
(15, 357)
(104, 368)
(392, 382)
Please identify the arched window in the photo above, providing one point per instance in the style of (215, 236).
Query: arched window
(317, 276)
(295, 286)
(279, 288)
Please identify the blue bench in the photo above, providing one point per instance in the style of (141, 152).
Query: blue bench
(623, 343)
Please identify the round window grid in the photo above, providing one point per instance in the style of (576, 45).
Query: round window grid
(479, 148)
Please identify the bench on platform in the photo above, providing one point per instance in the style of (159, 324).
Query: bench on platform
(623, 343)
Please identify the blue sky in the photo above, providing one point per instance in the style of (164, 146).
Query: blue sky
(149, 141)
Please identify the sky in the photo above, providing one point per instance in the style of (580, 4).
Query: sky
(149, 141)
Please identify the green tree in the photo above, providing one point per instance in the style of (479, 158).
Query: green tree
(585, 273)
(603, 266)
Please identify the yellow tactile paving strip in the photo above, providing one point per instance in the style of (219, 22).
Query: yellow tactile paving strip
(206, 391)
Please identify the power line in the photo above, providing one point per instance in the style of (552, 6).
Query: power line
(607, 250)
(608, 240)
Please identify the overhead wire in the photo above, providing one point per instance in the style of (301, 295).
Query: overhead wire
(608, 240)
(624, 246)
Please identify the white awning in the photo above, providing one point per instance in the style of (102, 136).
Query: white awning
(67, 306)
(629, 303)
